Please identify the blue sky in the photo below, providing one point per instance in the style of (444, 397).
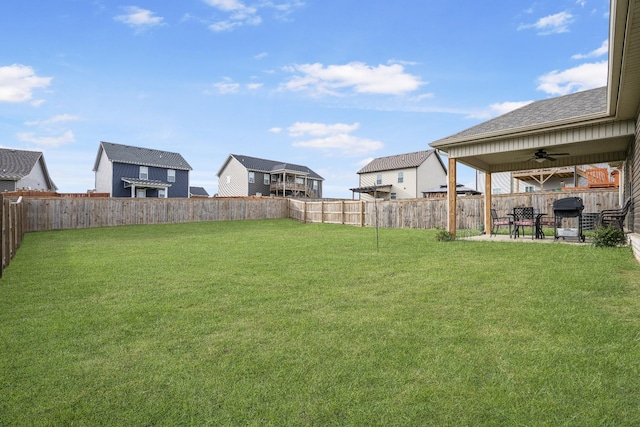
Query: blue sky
(330, 84)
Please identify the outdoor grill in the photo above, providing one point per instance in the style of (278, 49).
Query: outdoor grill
(567, 214)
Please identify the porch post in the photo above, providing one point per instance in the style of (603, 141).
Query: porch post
(133, 191)
(452, 195)
(487, 204)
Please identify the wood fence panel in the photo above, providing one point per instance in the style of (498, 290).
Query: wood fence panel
(53, 213)
(67, 213)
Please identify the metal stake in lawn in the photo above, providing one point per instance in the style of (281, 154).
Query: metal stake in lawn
(375, 204)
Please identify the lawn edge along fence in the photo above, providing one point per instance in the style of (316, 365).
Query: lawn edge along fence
(37, 213)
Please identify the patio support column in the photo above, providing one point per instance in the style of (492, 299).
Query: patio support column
(487, 204)
(451, 195)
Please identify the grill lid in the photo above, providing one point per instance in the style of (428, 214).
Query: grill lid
(568, 204)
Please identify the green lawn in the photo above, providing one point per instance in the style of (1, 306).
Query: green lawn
(282, 323)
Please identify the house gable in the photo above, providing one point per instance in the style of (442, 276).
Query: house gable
(401, 176)
(22, 169)
(234, 177)
(117, 168)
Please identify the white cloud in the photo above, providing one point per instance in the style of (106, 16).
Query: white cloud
(55, 119)
(275, 130)
(342, 144)
(333, 139)
(226, 5)
(254, 86)
(582, 77)
(49, 141)
(320, 129)
(227, 86)
(552, 24)
(355, 76)
(261, 55)
(139, 19)
(602, 50)
(17, 83)
(239, 14)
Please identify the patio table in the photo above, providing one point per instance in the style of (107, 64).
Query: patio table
(539, 224)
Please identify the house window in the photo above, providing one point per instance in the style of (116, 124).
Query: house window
(141, 193)
(171, 175)
(144, 172)
(162, 193)
(228, 179)
(400, 177)
(299, 180)
(529, 189)
(496, 191)
(267, 179)
(252, 177)
(315, 185)
(379, 179)
(393, 196)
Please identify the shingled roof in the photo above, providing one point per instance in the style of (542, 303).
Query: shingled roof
(16, 164)
(269, 166)
(546, 111)
(141, 156)
(400, 161)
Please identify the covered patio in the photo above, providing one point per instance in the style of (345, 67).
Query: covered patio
(594, 126)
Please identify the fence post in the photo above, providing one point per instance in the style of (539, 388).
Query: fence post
(3, 234)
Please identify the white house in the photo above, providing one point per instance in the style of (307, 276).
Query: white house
(24, 170)
(403, 176)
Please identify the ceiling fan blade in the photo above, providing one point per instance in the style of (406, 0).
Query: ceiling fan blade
(552, 159)
(558, 154)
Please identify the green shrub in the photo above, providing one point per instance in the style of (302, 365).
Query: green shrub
(444, 236)
(608, 237)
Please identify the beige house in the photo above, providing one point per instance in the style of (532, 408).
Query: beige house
(403, 176)
(595, 126)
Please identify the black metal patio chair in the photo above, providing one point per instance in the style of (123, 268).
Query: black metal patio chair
(499, 221)
(524, 218)
(614, 217)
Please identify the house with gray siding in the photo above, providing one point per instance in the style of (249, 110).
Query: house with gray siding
(243, 175)
(594, 126)
(24, 170)
(126, 171)
(402, 176)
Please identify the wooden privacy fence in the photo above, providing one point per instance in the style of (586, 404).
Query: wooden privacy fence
(433, 212)
(67, 213)
(58, 213)
(12, 214)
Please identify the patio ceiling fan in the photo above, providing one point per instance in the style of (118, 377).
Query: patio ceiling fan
(541, 155)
